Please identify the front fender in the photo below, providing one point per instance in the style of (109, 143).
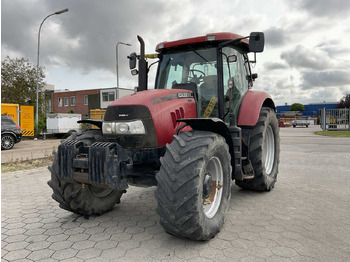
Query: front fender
(96, 122)
(214, 125)
(251, 105)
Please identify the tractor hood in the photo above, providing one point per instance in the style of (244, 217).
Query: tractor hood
(152, 97)
(161, 107)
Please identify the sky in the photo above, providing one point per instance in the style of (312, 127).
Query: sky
(307, 46)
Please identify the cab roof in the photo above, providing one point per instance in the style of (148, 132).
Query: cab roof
(213, 37)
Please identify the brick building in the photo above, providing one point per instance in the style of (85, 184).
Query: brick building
(64, 101)
(82, 101)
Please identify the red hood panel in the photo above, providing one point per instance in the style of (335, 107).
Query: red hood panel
(165, 106)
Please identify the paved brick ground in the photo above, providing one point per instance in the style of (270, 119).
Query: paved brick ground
(305, 218)
(29, 149)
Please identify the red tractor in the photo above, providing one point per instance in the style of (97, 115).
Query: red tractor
(199, 129)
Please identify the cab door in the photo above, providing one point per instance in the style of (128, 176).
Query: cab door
(235, 80)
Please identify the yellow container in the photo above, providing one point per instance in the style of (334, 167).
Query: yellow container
(11, 110)
(97, 114)
(27, 120)
(22, 115)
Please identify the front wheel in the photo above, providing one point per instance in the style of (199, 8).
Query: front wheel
(264, 152)
(194, 185)
(80, 198)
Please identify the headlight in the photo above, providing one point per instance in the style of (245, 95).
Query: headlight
(123, 128)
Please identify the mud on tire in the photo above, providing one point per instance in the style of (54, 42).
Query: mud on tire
(187, 207)
(264, 152)
(79, 198)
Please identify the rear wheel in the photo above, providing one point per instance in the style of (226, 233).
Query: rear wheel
(7, 141)
(264, 150)
(79, 198)
(194, 185)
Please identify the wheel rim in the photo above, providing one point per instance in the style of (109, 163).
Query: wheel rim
(7, 142)
(269, 149)
(214, 176)
(100, 192)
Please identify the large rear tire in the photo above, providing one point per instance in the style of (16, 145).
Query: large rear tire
(194, 185)
(79, 198)
(264, 152)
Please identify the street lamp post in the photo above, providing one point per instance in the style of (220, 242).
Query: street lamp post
(37, 67)
(116, 51)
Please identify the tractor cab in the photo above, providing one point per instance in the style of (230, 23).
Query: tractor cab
(214, 67)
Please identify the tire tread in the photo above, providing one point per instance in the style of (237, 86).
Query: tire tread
(72, 196)
(262, 181)
(178, 184)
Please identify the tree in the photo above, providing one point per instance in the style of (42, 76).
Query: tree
(18, 82)
(344, 102)
(296, 107)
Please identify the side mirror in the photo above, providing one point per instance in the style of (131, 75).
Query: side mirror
(232, 58)
(132, 61)
(134, 72)
(256, 42)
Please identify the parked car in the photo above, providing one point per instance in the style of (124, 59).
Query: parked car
(296, 123)
(10, 133)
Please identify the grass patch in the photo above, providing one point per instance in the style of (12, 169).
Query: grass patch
(26, 164)
(333, 133)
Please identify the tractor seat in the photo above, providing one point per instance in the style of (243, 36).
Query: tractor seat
(209, 82)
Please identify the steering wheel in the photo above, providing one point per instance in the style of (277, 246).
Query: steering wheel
(195, 78)
(199, 71)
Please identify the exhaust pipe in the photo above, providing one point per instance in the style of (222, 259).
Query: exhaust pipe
(143, 67)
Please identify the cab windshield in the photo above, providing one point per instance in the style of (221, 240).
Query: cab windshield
(195, 70)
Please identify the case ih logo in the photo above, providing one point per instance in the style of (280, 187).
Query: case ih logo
(157, 100)
(184, 95)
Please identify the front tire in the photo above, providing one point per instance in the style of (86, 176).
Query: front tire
(79, 198)
(264, 152)
(194, 185)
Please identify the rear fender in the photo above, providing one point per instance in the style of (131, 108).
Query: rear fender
(251, 105)
(8, 133)
(17, 137)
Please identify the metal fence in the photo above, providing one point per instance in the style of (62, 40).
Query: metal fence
(335, 119)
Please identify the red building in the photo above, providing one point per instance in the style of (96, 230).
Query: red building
(78, 101)
(82, 101)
